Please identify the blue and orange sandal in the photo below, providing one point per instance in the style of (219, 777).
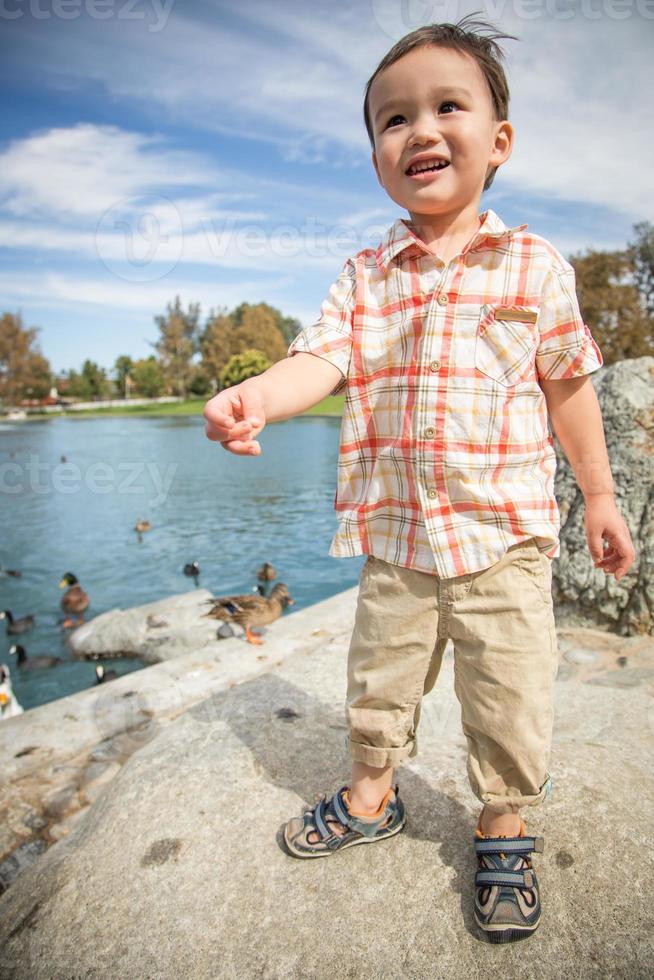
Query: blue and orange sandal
(312, 834)
(507, 897)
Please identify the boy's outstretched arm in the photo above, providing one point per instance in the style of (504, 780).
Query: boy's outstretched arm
(288, 388)
(577, 421)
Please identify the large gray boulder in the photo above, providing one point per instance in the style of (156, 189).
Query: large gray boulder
(584, 595)
(156, 631)
(176, 870)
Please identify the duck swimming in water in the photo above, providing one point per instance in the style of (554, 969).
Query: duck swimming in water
(32, 663)
(102, 675)
(14, 625)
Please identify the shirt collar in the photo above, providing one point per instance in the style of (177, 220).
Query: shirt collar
(400, 236)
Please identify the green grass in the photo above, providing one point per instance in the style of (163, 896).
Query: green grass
(332, 405)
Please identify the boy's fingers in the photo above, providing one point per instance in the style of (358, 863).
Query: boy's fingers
(242, 448)
(218, 433)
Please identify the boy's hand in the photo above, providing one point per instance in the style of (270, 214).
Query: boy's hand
(603, 521)
(233, 417)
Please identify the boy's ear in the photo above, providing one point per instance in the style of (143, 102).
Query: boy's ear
(503, 145)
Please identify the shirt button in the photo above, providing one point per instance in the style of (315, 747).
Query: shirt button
(430, 431)
(442, 300)
(435, 365)
(432, 492)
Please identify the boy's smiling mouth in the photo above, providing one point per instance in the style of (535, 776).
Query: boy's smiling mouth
(425, 165)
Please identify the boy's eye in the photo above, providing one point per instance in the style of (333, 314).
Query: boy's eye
(444, 108)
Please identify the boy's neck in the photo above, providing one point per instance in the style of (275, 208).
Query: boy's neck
(447, 234)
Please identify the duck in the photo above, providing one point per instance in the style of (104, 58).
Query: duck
(14, 625)
(102, 675)
(266, 573)
(141, 526)
(251, 610)
(10, 573)
(192, 568)
(74, 600)
(9, 704)
(33, 663)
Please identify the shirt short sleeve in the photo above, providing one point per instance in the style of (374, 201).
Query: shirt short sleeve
(566, 346)
(331, 335)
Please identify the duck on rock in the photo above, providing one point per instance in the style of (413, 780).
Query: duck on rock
(251, 610)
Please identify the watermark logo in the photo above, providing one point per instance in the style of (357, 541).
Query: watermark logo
(396, 19)
(140, 239)
(37, 477)
(154, 13)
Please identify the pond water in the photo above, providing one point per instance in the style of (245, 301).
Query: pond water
(229, 513)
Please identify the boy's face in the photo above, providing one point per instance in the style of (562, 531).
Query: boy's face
(435, 101)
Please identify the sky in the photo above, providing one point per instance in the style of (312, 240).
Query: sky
(216, 151)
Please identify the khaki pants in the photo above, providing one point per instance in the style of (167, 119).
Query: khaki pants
(501, 623)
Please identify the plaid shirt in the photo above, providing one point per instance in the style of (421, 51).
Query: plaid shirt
(445, 455)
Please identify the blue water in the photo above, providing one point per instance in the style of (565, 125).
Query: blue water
(229, 513)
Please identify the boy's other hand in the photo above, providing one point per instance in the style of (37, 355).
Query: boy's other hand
(604, 522)
(233, 417)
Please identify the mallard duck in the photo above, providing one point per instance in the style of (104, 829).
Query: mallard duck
(102, 675)
(9, 705)
(17, 625)
(192, 568)
(74, 600)
(251, 610)
(266, 573)
(33, 663)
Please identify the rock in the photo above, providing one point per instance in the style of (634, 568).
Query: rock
(154, 632)
(59, 800)
(628, 677)
(585, 596)
(581, 656)
(93, 785)
(162, 877)
(64, 827)
(20, 859)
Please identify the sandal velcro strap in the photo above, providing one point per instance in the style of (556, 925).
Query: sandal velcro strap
(509, 845)
(319, 818)
(519, 879)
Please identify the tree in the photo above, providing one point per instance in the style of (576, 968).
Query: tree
(91, 383)
(148, 377)
(123, 367)
(24, 371)
(611, 305)
(177, 345)
(241, 366)
(257, 327)
(217, 344)
(641, 253)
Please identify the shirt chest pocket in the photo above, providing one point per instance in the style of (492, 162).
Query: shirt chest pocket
(506, 343)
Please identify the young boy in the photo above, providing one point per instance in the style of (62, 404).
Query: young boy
(453, 340)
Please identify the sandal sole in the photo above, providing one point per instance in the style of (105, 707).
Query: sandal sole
(352, 843)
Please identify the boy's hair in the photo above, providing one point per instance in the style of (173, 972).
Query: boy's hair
(463, 37)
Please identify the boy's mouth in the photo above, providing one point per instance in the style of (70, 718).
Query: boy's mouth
(426, 166)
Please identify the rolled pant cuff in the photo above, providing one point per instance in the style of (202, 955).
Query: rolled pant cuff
(380, 758)
(502, 803)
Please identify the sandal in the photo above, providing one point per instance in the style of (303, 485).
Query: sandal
(318, 820)
(507, 897)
